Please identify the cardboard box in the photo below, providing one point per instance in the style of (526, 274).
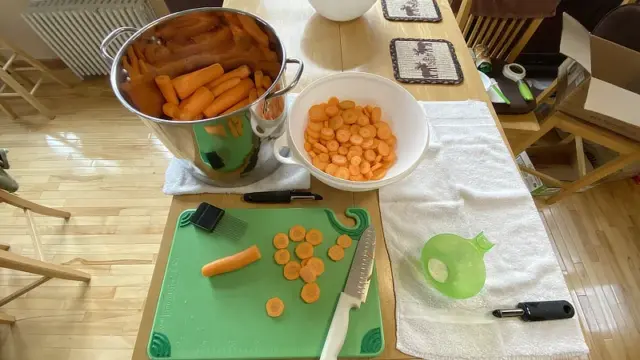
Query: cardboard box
(534, 184)
(601, 82)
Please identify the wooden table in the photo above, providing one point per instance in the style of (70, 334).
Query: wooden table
(328, 47)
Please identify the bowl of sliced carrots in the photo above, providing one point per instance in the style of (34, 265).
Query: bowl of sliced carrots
(355, 131)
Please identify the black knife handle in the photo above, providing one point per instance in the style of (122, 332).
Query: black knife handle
(546, 310)
(269, 197)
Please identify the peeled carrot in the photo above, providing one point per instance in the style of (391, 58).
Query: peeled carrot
(187, 84)
(314, 236)
(253, 95)
(254, 30)
(257, 77)
(229, 84)
(304, 250)
(229, 98)
(237, 106)
(281, 241)
(171, 110)
(231, 19)
(166, 88)
(240, 72)
(275, 307)
(282, 256)
(292, 270)
(310, 293)
(344, 241)
(297, 233)
(133, 59)
(266, 82)
(232, 262)
(197, 102)
(316, 264)
(307, 274)
(144, 68)
(336, 253)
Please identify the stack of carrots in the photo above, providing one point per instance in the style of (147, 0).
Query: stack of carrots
(182, 62)
(210, 92)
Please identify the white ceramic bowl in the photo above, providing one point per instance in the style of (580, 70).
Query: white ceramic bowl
(342, 10)
(403, 113)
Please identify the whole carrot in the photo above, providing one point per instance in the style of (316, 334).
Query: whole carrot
(196, 103)
(232, 262)
(240, 72)
(187, 84)
(171, 110)
(229, 98)
(237, 106)
(166, 87)
(229, 84)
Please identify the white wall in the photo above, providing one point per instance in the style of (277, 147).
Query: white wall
(17, 31)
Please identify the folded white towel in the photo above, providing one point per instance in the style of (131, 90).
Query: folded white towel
(466, 184)
(179, 180)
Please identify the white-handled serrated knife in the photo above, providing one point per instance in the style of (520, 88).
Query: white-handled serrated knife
(353, 295)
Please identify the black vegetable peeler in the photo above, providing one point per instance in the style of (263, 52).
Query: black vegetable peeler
(539, 311)
(279, 197)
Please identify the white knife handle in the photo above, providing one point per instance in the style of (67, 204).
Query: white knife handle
(339, 325)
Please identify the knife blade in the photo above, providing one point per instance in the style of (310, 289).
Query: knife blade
(353, 295)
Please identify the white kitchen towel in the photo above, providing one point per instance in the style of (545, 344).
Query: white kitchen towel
(179, 180)
(466, 184)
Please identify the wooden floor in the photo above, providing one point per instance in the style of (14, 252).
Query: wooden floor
(102, 164)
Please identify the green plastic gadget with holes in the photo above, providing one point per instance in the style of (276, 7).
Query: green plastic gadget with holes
(455, 265)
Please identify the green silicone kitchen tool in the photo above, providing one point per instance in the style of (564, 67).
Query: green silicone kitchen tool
(224, 316)
(455, 265)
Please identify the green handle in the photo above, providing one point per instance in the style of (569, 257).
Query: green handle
(525, 91)
(482, 243)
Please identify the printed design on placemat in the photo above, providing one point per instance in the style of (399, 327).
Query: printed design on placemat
(411, 10)
(185, 218)
(371, 342)
(361, 217)
(159, 347)
(425, 61)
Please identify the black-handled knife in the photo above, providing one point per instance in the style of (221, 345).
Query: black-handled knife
(279, 197)
(539, 311)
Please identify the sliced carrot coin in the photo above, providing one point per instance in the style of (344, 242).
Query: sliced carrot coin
(333, 101)
(305, 262)
(281, 241)
(317, 265)
(282, 256)
(308, 274)
(314, 237)
(292, 270)
(344, 241)
(310, 293)
(304, 250)
(297, 233)
(336, 253)
(275, 307)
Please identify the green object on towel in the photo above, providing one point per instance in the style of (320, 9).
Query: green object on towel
(454, 265)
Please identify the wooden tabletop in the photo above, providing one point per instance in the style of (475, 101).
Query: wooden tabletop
(328, 47)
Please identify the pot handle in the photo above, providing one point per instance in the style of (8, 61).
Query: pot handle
(281, 146)
(293, 83)
(109, 39)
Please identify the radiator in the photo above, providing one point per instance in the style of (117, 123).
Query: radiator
(73, 29)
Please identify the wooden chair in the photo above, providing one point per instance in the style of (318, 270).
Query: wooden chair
(11, 76)
(35, 266)
(628, 150)
(504, 38)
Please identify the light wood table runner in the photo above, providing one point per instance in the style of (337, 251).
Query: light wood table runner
(328, 47)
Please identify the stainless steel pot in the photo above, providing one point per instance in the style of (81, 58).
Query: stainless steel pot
(225, 161)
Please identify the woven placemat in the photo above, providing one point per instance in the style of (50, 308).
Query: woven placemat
(425, 61)
(411, 10)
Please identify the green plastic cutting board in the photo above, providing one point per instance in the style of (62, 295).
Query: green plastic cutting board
(224, 317)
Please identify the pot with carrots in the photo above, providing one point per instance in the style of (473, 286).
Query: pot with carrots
(210, 84)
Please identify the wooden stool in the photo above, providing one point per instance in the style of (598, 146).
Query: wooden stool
(628, 149)
(11, 76)
(34, 266)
